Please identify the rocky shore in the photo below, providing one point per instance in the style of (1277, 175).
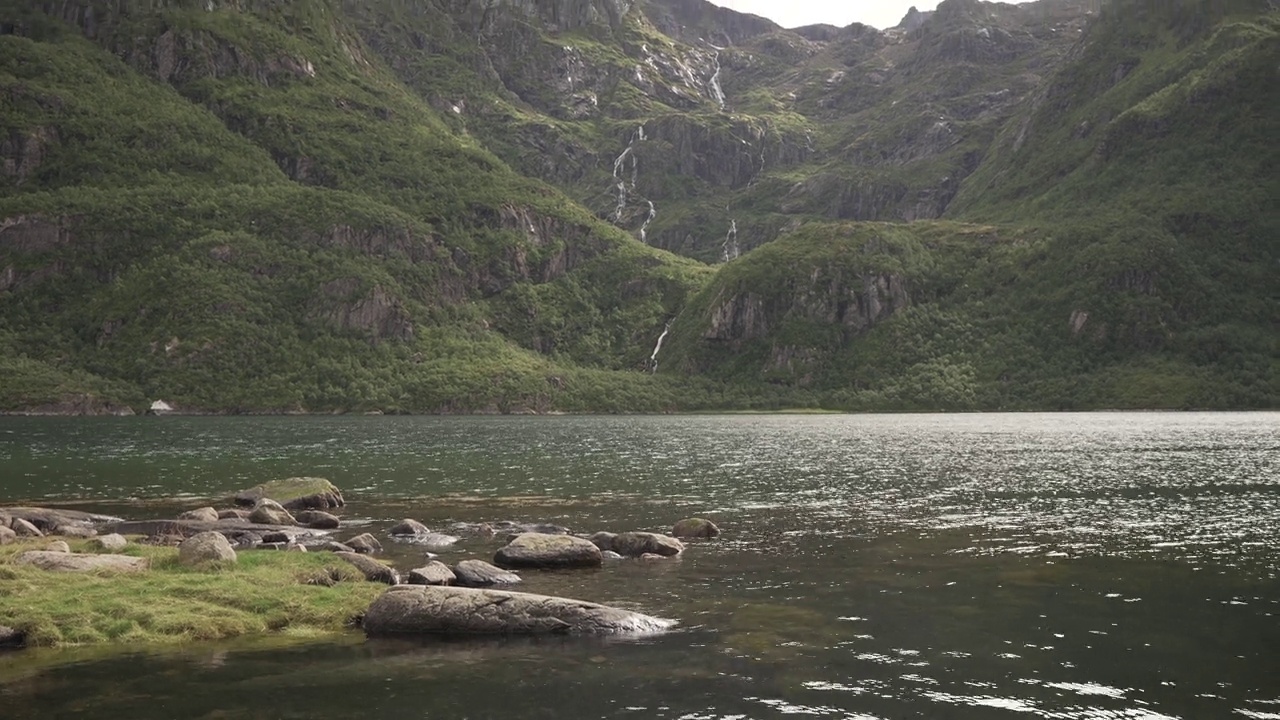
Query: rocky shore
(85, 578)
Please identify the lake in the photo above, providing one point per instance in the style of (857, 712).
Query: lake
(1074, 566)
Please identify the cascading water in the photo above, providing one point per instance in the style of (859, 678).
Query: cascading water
(653, 359)
(625, 187)
(716, 91)
(729, 250)
(644, 229)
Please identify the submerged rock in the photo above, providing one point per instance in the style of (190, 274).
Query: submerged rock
(478, 573)
(71, 562)
(373, 570)
(433, 573)
(635, 544)
(695, 528)
(206, 547)
(536, 550)
(419, 610)
(299, 493)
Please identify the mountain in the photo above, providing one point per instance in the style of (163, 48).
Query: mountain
(535, 205)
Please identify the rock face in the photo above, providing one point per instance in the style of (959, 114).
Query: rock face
(300, 493)
(204, 514)
(317, 520)
(207, 547)
(695, 528)
(433, 573)
(417, 610)
(365, 543)
(409, 527)
(270, 512)
(373, 570)
(71, 562)
(535, 550)
(635, 544)
(478, 573)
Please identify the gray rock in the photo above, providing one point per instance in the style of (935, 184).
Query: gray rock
(635, 544)
(610, 555)
(10, 638)
(478, 573)
(409, 527)
(603, 540)
(295, 547)
(47, 519)
(433, 573)
(207, 547)
(431, 541)
(298, 493)
(277, 536)
(73, 531)
(204, 514)
(113, 541)
(25, 529)
(233, 514)
(695, 528)
(373, 570)
(73, 562)
(365, 543)
(334, 546)
(535, 550)
(317, 520)
(58, 546)
(7, 535)
(270, 512)
(418, 610)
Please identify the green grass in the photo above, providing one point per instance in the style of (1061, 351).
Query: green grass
(263, 593)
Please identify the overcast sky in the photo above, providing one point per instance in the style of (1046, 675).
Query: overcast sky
(795, 13)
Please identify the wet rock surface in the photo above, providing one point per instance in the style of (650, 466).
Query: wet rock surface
(478, 573)
(433, 573)
(695, 528)
(536, 550)
(373, 570)
(420, 610)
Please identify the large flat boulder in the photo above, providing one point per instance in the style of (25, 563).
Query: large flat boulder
(71, 562)
(536, 550)
(49, 520)
(426, 610)
(478, 573)
(298, 493)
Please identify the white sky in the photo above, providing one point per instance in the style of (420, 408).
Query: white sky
(795, 13)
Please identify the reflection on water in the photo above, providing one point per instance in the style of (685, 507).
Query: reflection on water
(1054, 566)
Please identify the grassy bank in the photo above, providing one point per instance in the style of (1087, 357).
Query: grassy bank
(264, 592)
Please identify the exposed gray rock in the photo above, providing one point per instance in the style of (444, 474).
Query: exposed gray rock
(270, 512)
(365, 543)
(300, 493)
(635, 544)
(58, 546)
(695, 528)
(113, 541)
(418, 610)
(49, 519)
(536, 550)
(25, 529)
(373, 570)
(207, 547)
(433, 573)
(233, 514)
(73, 562)
(204, 514)
(334, 546)
(478, 573)
(409, 526)
(610, 555)
(7, 535)
(318, 520)
(603, 540)
(73, 531)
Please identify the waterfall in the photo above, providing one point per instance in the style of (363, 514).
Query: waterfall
(729, 250)
(625, 187)
(653, 359)
(716, 91)
(644, 229)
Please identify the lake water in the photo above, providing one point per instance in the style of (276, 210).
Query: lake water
(1074, 566)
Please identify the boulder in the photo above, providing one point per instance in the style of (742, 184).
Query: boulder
(433, 573)
(113, 541)
(10, 638)
(207, 547)
(635, 544)
(73, 531)
(334, 546)
(610, 555)
(204, 514)
(409, 527)
(276, 536)
(317, 520)
(7, 535)
(373, 570)
(270, 512)
(73, 562)
(58, 546)
(535, 550)
(365, 543)
(49, 519)
(478, 573)
(419, 610)
(431, 541)
(299, 493)
(695, 528)
(233, 514)
(24, 528)
(603, 540)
